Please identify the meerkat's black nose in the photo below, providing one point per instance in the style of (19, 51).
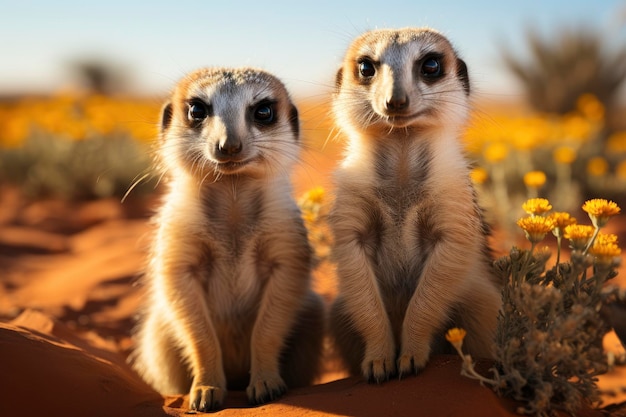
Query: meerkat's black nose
(396, 103)
(229, 148)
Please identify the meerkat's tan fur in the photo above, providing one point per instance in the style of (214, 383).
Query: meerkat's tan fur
(410, 241)
(229, 303)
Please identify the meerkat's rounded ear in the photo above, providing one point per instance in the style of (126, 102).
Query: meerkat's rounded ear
(461, 72)
(338, 79)
(294, 121)
(166, 116)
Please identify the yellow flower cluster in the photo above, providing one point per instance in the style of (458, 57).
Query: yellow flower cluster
(526, 133)
(582, 238)
(76, 118)
(504, 137)
(313, 206)
(311, 203)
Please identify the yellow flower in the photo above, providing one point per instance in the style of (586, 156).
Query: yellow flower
(479, 175)
(456, 336)
(536, 206)
(561, 221)
(604, 252)
(315, 195)
(534, 179)
(309, 216)
(576, 127)
(536, 227)
(605, 239)
(590, 107)
(564, 155)
(15, 130)
(496, 152)
(578, 235)
(600, 211)
(597, 166)
(311, 204)
(616, 143)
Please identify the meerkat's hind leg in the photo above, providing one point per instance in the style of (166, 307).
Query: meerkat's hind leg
(347, 342)
(300, 360)
(158, 358)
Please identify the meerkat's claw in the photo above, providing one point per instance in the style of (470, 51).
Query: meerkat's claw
(263, 390)
(206, 398)
(409, 365)
(378, 370)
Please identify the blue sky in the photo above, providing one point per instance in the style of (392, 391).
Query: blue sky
(302, 42)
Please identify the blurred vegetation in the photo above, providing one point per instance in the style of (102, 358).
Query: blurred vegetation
(574, 156)
(564, 66)
(102, 76)
(77, 146)
(571, 144)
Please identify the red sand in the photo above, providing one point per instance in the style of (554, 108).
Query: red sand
(68, 294)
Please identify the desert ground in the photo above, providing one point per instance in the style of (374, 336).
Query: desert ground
(69, 274)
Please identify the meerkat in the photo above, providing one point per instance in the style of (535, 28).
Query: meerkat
(229, 302)
(410, 245)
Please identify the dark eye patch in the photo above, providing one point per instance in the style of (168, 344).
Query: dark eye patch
(367, 69)
(198, 110)
(431, 67)
(264, 113)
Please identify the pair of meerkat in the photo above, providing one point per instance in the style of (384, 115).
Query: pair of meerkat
(230, 304)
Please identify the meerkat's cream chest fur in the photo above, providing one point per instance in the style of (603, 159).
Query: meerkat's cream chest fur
(410, 241)
(229, 304)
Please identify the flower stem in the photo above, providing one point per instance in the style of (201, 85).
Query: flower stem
(469, 371)
(558, 254)
(593, 238)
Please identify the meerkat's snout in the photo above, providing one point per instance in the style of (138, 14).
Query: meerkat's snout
(226, 145)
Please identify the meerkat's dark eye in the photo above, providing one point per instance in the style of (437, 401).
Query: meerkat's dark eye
(367, 68)
(263, 113)
(432, 68)
(198, 111)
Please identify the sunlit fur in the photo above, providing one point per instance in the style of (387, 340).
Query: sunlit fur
(229, 303)
(410, 241)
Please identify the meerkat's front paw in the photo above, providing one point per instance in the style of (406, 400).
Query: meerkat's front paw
(265, 388)
(206, 397)
(412, 362)
(379, 366)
